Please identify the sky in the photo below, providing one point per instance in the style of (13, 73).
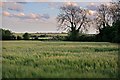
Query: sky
(37, 15)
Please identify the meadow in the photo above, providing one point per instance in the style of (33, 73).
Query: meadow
(43, 59)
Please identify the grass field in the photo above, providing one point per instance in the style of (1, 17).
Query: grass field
(35, 59)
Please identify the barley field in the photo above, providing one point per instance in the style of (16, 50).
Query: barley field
(37, 59)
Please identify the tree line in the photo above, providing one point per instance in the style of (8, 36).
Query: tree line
(76, 20)
(109, 36)
(8, 35)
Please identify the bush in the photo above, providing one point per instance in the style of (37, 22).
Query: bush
(43, 35)
(59, 38)
(110, 34)
(26, 36)
(13, 37)
(73, 35)
(6, 35)
(19, 38)
(84, 38)
(36, 38)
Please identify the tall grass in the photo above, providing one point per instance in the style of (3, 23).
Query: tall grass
(30, 59)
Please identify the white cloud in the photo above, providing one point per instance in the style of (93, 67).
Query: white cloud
(20, 14)
(71, 3)
(27, 17)
(33, 16)
(91, 12)
(92, 6)
(5, 13)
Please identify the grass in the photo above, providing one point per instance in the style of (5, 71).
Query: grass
(36, 59)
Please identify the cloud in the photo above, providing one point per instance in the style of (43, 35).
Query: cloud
(92, 6)
(92, 3)
(20, 14)
(23, 16)
(30, 16)
(5, 13)
(33, 16)
(91, 12)
(29, 25)
(70, 3)
(46, 16)
(12, 6)
(37, 16)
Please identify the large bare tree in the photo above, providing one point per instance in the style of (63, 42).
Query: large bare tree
(102, 18)
(115, 11)
(73, 19)
(108, 21)
(107, 14)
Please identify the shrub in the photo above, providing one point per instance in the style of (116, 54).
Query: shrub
(43, 35)
(36, 38)
(7, 35)
(59, 38)
(19, 38)
(26, 36)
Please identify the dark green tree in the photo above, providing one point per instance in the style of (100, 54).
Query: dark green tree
(7, 35)
(26, 36)
(19, 38)
(116, 31)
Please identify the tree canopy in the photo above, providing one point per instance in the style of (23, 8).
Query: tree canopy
(26, 36)
(6, 35)
(72, 18)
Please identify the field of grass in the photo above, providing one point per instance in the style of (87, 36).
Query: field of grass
(30, 59)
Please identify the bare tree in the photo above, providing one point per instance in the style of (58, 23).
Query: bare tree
(108, 21)
(103, 18)
(115, 11)
(107, 14)
(73, 19)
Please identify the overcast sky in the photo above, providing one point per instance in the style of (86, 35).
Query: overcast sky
(36, 15)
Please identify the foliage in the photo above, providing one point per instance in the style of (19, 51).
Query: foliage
(59, 38)
(59, 59)
(106, 34)
(19, 38)
(7, 35)
(109, 15)
(116, 31)
(43, 35)
(73, 35)
(26, 36)
(87, 38)
(110, 34)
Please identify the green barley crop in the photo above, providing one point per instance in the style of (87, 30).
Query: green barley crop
(36, 59)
